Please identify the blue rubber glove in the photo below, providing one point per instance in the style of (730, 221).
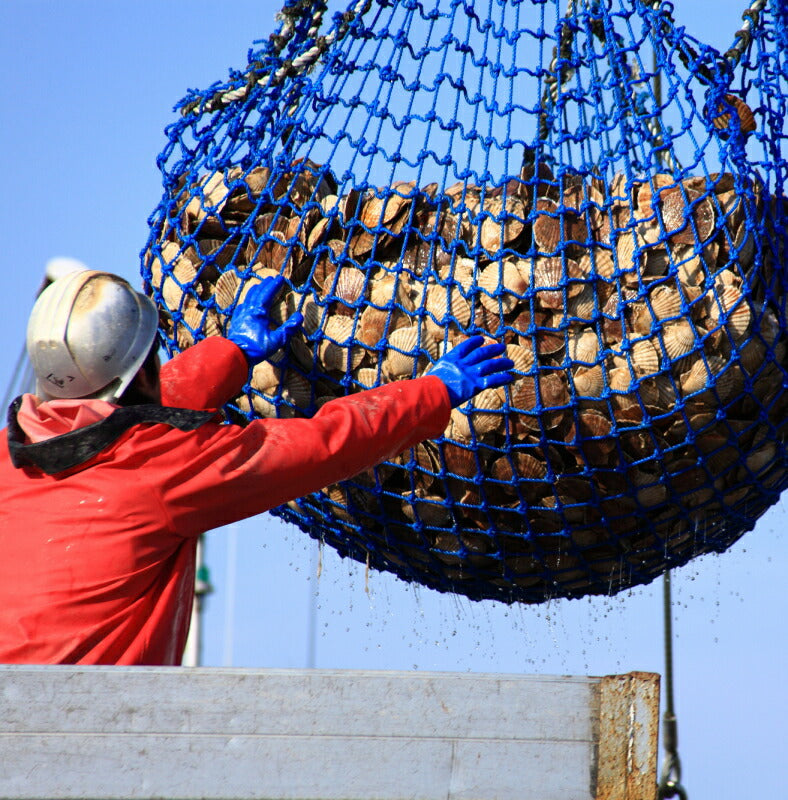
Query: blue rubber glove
(472, 366)
(250, 327)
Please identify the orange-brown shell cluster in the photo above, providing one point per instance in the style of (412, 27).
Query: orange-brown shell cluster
(648, 362)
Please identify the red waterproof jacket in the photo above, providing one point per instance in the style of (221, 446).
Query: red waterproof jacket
(99, 526)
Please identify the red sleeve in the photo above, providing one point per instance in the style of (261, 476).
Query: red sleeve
(205, 376)
(219, 474)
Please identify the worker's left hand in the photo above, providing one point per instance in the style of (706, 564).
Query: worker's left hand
(250, 327)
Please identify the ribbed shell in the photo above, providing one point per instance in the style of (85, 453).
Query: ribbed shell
(502, 285)
(405, 347)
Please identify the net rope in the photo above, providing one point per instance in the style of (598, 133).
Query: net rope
(424, 171)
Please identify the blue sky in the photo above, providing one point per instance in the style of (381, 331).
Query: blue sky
(87, 89)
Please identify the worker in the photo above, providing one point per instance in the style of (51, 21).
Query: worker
(110, 472)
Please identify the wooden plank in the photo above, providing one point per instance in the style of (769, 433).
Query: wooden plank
(93, 732)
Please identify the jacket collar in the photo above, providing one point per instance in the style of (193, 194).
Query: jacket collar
(76, 447)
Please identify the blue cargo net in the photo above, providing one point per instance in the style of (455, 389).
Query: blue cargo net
(587, 183)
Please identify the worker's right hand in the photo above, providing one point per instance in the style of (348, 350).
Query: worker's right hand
(250, 326)
(472, 366)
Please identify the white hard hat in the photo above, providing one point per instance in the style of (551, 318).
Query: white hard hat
(88, 335)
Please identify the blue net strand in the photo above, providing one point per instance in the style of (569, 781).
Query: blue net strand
(585, 182)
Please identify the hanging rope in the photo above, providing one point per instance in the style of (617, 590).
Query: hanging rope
(260, 71)
(670, 780)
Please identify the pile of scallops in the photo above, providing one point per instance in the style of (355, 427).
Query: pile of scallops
(644, 424)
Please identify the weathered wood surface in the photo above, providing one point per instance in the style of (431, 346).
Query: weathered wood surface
(95, 732)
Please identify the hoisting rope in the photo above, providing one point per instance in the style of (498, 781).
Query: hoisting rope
(670, 782)
(259, 71)
(561, 70)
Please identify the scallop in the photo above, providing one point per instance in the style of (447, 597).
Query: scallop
(603, 263)
(547, 226)
(548, 282)
(406, 346)
(734, 107)
(485, 404)
(265, 377)
(644, 357)
(589, 382)
(367, 377)
(387, 289)
(336, 349)
(460, 272)
(730, 306)
(583, 345)
(350, 285)
(502, 223)
(173, 274)
(665, 301)
(226, 289)
(583, 307)
(690, 269)
(502, 286)
(188, 329)
(445, 305)
(297, 390)
(523, 357)
(678, 338)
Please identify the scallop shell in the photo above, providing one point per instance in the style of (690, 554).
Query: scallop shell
(644, 357)
(758, 460)
(261, 406)
(752, 354)
(549, 282)
(523, 357)
(502, 223)
(387, 289)
(547, 226)
(173, 274)
(583, 346)
(665, 301)
(460, 426)
(604, 265)
(595, 425)
(627, 244)
(650, 491)
(312, 312)
(502, 286)
(406, 346)
(297, 390)
(349, 285)
(678, 338)
(460, 272)
(445, 305)
(522, 394)
(690, 269)
(265, 377)
(226, 289)
(208, 195)
(620, 379)
(730, 306)
(372, 325)
(589, 382)
(367, 377)
(459, 460)
(428, 509)
(336, 348)
(189, 327)
(746, 119)
(583, 307)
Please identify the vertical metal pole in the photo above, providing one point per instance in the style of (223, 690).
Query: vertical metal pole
(192, 655)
